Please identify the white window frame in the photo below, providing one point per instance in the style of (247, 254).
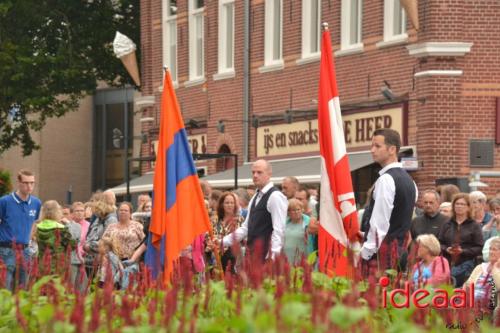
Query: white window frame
(194, 15)
(307, 28)
(225, 71)
(270, 63)
(390, 38)
(167, 21)
(347, 46)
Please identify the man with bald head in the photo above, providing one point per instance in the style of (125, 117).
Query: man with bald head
(264, 225)
(289, 186)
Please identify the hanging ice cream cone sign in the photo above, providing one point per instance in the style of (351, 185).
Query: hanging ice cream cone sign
(411, 8)
(124, 49)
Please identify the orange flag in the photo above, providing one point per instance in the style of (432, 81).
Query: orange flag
(179, 214)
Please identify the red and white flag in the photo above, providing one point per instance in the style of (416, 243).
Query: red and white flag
(338, 217)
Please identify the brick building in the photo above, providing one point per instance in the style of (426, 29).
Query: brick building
(441, 82)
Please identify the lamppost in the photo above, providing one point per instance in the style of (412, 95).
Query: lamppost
(124, 49)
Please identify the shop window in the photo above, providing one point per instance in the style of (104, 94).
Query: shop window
(394, 21)
(273, 33)
(226, 36)
(196, 40)
(311, 28)
(351, 24)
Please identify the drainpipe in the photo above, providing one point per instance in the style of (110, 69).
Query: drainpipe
(246, 81)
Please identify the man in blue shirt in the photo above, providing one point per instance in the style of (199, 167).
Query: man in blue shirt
(18, 212)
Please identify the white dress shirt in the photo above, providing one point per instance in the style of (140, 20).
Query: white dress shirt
(277, 206)
(383, 194)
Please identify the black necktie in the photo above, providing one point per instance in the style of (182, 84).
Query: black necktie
(257, 196)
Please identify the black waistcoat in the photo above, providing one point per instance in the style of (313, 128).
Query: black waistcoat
(404, 203)
(260, 223)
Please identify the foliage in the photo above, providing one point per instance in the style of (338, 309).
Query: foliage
(5, 182)
(53, 52)
(264, 298)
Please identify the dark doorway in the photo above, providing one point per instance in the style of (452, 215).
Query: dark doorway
(224, 163)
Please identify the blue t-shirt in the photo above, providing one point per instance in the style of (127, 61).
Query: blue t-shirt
(17, 217)
(426, 275)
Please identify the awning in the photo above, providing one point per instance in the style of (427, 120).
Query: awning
(140, 184)
(306, 169)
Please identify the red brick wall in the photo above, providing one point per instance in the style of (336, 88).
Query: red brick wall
(456, 110)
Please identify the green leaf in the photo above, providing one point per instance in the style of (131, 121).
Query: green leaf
(295, 313)
(312, 257)
(44, 313)
(345, 317)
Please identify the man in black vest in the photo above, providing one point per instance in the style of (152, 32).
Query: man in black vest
(264, 226)
(390, 209)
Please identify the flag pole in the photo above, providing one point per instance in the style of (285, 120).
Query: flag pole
(216, 252)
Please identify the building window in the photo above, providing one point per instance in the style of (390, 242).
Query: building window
(196, 40)
(113, 124)
(273, 33)
(394, 20)
(311, 27)
(170, 37)
(226, 36)
(351, 24)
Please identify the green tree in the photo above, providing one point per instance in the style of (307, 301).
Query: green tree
(5, 182)
(52, 53)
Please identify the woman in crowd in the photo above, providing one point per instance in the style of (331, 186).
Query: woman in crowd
(213, 203)
(78, 275)
(447, 192)
(191, 259)
(105, 215)
(89, 213)
(243, 200)
(224, 223)
(145, 207)
(296, 236)
(143, 214)
(432, 269)
(486, 279)
(461, 239)
(445, 208)
(53, 238)
(492, 228)
(118, 244)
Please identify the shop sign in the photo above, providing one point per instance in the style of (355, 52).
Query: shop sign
(197, 144)
(409, 163)
(303, 136)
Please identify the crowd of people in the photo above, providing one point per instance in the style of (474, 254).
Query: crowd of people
(446, 237)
